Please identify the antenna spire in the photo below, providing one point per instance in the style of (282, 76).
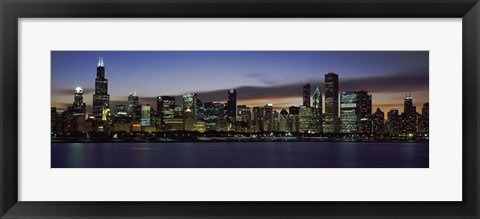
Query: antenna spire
(100, 62)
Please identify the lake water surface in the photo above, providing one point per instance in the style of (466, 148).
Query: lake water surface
(241, 155)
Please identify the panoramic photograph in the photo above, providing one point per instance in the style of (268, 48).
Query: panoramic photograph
(239, 109)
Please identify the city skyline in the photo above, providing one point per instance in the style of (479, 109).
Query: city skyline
(281, 87)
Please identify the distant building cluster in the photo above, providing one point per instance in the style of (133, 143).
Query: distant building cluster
(347, 112)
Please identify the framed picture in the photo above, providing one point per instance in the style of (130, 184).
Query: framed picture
(239, 109)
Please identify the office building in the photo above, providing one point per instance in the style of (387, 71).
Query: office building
(145, 119)
(306, 95)
(165, 109)
(244, 116)
(364, 112)
(79, 109)
(378, 120)
(317, 119)
(331, 121)
(349, 111)
(393, 124)
(283, 125)
(305, 119)
(232, 106)
(409, 116)
(268, 118)
(190, 102)
(101, 98)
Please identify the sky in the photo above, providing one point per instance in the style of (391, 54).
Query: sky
(260, 77)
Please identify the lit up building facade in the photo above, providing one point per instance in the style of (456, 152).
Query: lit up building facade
(349, 111)
(378, 121)
(423, 121)
(189, 120)
(165, 109)
(121, 115)
(364, 112)
(132, 103)
(244, 116)
(215, 117)
(305, 119)
(268, 115)
(393, 123)
(145, 119)
(317, 112)
(190, 103)
(275, 121)
(78, 109)
(331, 121)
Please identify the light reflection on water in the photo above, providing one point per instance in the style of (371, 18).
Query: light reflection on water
(241, 155)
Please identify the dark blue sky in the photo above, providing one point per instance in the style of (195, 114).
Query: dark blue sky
(156, 73)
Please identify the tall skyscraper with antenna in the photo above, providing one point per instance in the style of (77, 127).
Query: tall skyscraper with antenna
(409, 115)
(101, 98)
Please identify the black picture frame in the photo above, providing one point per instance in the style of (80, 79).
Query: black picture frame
(11, 10)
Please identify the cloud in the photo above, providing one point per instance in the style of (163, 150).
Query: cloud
(256, 75)
(413, 79)
(263, 77)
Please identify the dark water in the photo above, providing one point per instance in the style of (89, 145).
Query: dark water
(240, 155)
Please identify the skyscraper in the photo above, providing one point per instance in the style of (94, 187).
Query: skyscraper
(317, 112)
(268, 118)
(349, 112)
(189, 120)
(293, 119)
(243, 118)
(331, 122)
(190, 102)
(305, 119)
(424, 119)
(275, 121)
(165, 108)
(232, 106)
(145, 119)
(132, 104)
(53, 120)
(258, 119)
(409, 116)
(306, 95)
(79, 108)
(283, 125)
(364, 112)
(378, 120)
(101, 98)
(393, 122)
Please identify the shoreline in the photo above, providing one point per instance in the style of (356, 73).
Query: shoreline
(233, 140)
